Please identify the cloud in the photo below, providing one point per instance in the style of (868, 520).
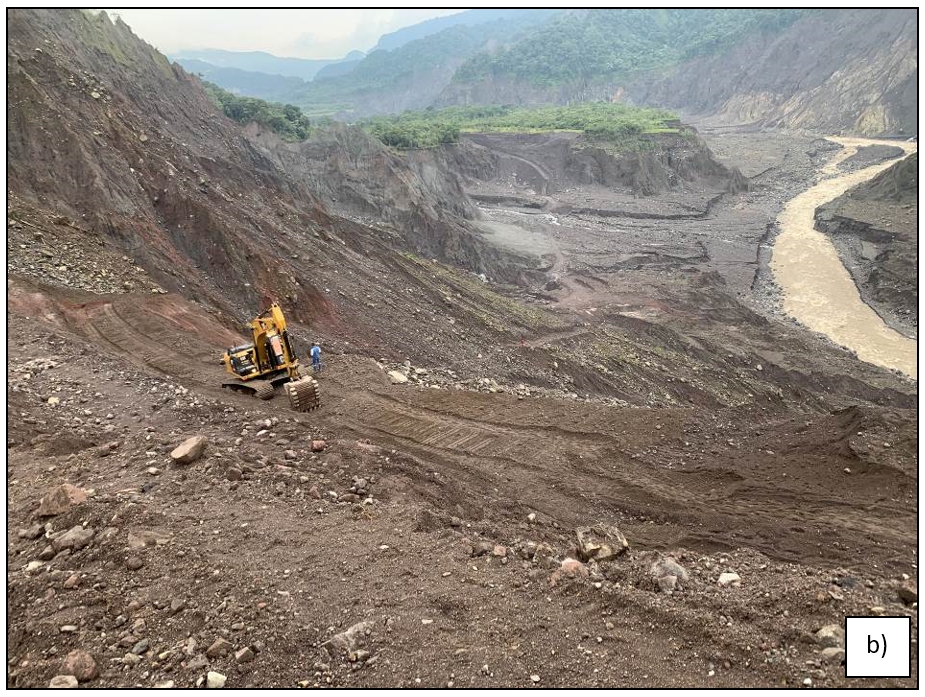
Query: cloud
(325, 33)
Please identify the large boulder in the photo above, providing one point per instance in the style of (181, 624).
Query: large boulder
(61, 499)
(600, 542)
(189, 450)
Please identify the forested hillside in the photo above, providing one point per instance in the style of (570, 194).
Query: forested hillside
(592, 44)
(411, 76)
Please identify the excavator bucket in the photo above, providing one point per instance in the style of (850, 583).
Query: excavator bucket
(303, 394)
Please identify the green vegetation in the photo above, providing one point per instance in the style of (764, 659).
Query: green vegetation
(411, 74)
(598, 120)
(285, 120)
(586, 46)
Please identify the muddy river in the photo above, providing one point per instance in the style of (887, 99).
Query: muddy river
(817, 289)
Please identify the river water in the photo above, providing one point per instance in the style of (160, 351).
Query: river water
(817, 288)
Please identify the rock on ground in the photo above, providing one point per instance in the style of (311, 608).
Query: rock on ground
(347, 642)
(219, 647)
(189, 450)
(60, 682)
(397, 378)
(668, 567)
(831, 635)
(76, 538)
(60, 500)
(729, 578)
(600, 542)
(908, 593)
(81, 665)
(570, 568)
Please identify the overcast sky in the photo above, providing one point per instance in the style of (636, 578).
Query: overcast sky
(285, 32)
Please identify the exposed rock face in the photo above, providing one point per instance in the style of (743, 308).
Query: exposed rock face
(547, 163)
(419, 203)
(227, 215)
(832, 71)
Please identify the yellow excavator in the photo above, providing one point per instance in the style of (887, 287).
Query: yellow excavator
(262, 366)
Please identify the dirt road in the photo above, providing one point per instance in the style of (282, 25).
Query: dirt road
(818, 290)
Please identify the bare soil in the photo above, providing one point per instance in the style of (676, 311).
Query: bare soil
(729, 453)
(624, 364)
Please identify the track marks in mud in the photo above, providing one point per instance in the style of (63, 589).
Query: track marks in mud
(572, 465)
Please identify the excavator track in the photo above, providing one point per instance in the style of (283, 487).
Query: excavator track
(259, 389)
(303, 394)
(263, 390)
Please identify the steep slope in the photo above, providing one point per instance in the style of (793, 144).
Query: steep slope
(585, 54)
(438, 516)
(400, 37)
(875, 229)
(828, 70)
(337, 69)
(833, 71)
(553, 163)
(176, 187)
(412, 75)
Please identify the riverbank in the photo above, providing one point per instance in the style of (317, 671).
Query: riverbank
(817, 289)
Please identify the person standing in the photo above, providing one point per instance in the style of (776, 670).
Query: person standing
(316, 357)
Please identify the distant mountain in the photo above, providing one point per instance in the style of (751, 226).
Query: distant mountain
(338, 69)
(261, 62)
(274, 88)
(838, 70)
(576, 53)
(412, 75)
(835, 71)
(400, 37)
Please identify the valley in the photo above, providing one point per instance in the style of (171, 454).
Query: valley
(531, 339)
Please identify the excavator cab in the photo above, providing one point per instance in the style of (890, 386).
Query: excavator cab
(269, 362)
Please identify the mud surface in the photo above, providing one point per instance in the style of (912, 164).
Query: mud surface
(790, 504)
(633, 388)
